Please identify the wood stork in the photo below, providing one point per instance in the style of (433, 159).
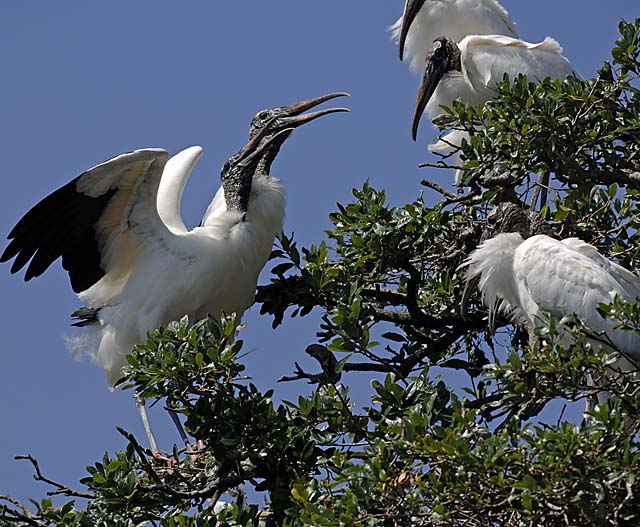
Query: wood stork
(423, 21)
(130, 258)
(470, 71)
(525, 277)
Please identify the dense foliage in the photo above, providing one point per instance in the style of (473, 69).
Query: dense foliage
(452, 434)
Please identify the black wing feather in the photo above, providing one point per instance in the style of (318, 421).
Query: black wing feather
(61, 225)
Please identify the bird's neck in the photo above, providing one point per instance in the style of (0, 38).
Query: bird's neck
(265, 206)
(237, 190)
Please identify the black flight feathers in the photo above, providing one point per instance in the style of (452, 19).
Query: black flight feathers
(61, 225)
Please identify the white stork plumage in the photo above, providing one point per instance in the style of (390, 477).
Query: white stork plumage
(524, 278)
(130, 258)
(470, 71)
(423, 21)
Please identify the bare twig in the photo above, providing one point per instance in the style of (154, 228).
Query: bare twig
(440, 165)
(328, 363)
(216, 486)
(62, 489)
(541, 191)
(438, 188)
(387, 296)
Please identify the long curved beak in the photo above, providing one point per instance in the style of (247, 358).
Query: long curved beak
(433, 73)
(249, 148)
(411, 9)
(293, 114)
(252, 153)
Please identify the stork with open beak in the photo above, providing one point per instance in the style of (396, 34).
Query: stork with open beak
(130, 258)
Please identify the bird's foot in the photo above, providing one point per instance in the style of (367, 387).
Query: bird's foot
(195, 449)
(161, 457)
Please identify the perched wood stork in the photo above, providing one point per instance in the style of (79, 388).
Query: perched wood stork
(130, 258)
(525, 277)
(470, 71)
(423, 21)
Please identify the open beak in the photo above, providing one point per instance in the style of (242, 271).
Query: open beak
(251, 154)
(292, 116)
(249, 150)
(433, 73)
(270, 136)
(411, 9)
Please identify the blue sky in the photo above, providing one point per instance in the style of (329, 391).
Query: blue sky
(85, 82)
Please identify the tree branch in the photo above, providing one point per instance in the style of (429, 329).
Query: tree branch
(62, 489)
(438, 188)
(217, 486)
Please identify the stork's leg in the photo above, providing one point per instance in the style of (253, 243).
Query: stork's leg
(145, 422)
(181, 432)
(147, 426)
(199, 445)
(590, 401)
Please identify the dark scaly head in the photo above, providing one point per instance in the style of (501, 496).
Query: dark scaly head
(292, 116)
(238, 171)
(509, 217)
(443, 57)
(268, 131)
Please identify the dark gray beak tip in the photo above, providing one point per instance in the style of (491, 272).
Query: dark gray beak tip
(303, 106)
(414, 129)
(411, 10)
(433, 73)
(298, 118)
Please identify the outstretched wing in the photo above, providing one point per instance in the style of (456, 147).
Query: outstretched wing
(96, 223)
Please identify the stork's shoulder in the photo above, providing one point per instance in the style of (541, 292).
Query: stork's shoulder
(470, 43)
(120, 171)
(506, 241)
(541, 242)
(628, 281)
(542, 250)
(547, 263)
(541, 255)
(493, 253)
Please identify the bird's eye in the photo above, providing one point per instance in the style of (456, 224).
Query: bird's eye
(263, 115)
(437, 48)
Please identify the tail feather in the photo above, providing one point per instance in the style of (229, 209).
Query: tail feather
(85, 316)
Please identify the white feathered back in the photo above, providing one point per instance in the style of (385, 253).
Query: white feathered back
(527, 278)
(454, 19)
